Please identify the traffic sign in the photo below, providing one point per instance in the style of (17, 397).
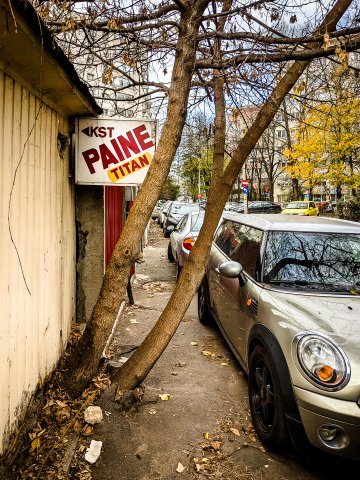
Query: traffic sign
(245, 190)
(245, 183)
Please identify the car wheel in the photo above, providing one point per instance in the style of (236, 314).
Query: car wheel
(266, 403)
(203, 304)
(170, 254)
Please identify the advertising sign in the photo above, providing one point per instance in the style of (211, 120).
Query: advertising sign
(113, 151)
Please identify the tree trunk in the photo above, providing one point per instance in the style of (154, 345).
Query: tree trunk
(135, 370)
(83, 362)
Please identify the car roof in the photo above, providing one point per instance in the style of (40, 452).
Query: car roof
(277, 221)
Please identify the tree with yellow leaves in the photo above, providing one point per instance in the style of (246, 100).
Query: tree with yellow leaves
(327, 145)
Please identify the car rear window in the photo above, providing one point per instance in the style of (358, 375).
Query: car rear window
(240, 243)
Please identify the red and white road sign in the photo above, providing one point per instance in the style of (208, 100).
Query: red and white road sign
(245, 183)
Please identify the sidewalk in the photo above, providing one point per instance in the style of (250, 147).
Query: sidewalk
(193, 421)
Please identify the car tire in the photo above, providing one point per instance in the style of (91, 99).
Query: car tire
(178, 271)
(266, 402)
(170, 254)
(203, 304)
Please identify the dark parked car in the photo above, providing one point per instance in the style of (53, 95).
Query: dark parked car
(175, 212)
(285, 293)
(259, 207)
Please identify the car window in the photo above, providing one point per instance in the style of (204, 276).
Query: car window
(318, 260)
(181, 225)
(240, 243)
(184, 207)
(197, 221)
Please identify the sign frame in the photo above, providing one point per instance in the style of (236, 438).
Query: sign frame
(114, 150)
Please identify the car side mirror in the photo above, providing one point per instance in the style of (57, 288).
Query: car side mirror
(233, 269)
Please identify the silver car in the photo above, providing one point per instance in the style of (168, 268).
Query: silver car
(285, 293)
(183, 237)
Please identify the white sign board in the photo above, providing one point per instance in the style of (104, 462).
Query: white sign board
(113, 151)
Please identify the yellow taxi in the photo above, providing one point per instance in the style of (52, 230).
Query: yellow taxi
(301, 207)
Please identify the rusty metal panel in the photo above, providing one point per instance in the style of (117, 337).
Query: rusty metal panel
(37, 239)
(114, 212)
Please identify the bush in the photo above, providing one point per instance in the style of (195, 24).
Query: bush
(349, 209)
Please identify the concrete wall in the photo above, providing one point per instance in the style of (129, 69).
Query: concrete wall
(90, 248)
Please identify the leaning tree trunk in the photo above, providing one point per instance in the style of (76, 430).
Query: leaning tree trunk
(83, 362)
(135, 370)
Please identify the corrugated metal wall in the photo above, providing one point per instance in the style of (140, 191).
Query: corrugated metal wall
(37, 282)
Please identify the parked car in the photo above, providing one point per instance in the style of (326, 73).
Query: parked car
(301, 207)
(157, 210)
(259, 207)
(175, 212)
(285, 293)
(163, 211)
(183, 237)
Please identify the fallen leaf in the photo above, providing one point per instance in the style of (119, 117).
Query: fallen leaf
(165, 396)
(194, 344)
(180, 468)
(206, 435)
(152, 411)
(252, 437)
(132, 320)
(224, 364)
(206, 353)
(235, 431)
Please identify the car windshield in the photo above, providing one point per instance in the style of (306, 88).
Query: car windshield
(297, 205)
(197, 221)
(321, 261)
(184, 207)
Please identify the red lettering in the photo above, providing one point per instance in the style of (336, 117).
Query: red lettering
(126, 165)
(128, 144)
(110, 131)
(142, 137)
(143, 160)
(114, 171)
(91, 156)
(134, 165)
(102, 132)
(122, 171)
(119, 153)
(107, 157)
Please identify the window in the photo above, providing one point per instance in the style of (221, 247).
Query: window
(281, 133)
(90, 76)
(240, 243)
(307, 260)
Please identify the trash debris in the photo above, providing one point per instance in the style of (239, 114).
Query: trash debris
(93, 452)
(180, 364)
(93, 415)
(194, 344)
(180, 468)
(235, 431)
(206, 353)
(152, 411)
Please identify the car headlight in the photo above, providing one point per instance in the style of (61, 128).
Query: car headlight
(322, 361)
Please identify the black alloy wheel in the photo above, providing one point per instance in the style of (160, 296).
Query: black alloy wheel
(266, 403)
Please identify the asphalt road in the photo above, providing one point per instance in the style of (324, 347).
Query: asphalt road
(193, 421)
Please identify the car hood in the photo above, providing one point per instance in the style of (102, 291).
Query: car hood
(335, 316)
